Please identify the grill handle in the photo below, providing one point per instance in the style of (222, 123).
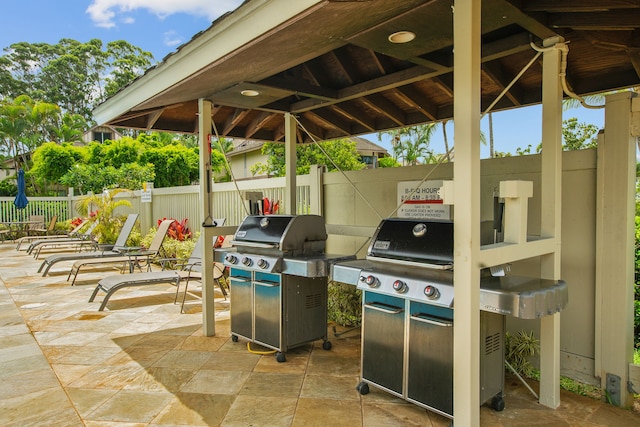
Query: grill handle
(240, 279)
(254, 244)
(389, 309)
(267, 284)
(431, 320)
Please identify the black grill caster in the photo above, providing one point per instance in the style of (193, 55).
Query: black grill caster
(234, 338)
(363, 388)
(326, 345)
(280, 357)
(497, 403)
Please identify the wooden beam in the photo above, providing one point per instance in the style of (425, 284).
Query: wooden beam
(233, 120)
(300, 87)
(355, 115)
(380, 104)
(614, 20)
(370, 87)
(495, 72)
(634, 56)
(551, 6)
(257, 123)
(332, 120)
(422, 104)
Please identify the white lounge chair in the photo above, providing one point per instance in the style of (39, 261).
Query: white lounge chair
(48, 234)
(121, 242)
(191, 269)
(128, 256)
(74, 240)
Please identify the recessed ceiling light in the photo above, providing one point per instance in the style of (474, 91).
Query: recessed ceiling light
(250, 92)
(402, 37)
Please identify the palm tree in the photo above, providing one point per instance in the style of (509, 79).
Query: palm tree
(101, 207)
(411, 144)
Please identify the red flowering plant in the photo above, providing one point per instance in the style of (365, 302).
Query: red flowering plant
(270, 207)
(178, 230)
(76, 222)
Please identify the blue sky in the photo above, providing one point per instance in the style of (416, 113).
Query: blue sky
(160, 26)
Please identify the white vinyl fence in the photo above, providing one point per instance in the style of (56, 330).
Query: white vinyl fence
(228, 201)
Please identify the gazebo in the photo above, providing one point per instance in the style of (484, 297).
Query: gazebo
(308, 70)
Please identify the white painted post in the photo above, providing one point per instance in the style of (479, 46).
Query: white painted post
(207, 233)
(316, 189)
(291, 202)
(550, 218)
(615, 235)
(466, 171)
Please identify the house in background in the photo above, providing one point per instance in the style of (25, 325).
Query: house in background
(247, 153)
(101, 134)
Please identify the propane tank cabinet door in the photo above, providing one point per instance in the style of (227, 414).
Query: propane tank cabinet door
(383, 341)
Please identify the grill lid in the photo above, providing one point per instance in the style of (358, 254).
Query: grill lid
(288, 234)
(416, 240)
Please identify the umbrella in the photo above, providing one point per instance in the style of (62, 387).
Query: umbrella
(21, 198)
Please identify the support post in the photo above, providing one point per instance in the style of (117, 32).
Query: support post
(207, 233)
(291, 158)
(316, 190)
(466, 172)
(615, 234)
(550, 218)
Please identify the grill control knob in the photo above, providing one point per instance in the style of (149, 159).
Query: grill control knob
(431, 292)
(370, 280)
(263, 263)
(247, 261)
(231, 259)
(400, 286)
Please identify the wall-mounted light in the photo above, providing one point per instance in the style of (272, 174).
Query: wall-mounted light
(402, 37)
(250, 92)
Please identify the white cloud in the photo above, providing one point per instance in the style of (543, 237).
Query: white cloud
(103, 12)
(172, 38)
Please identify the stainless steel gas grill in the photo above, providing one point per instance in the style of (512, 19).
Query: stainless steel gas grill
(407, 318)
(278, 275)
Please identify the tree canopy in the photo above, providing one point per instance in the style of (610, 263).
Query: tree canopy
(73, 75)
(125, 163)
(340, 153)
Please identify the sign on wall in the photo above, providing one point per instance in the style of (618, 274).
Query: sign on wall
(424, 202)
(145, 194)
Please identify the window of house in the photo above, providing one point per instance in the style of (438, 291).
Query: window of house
(368, 160)
(102, 136)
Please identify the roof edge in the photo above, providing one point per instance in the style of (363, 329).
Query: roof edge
(250, 20)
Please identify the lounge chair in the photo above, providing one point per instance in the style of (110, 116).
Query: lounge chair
(193, 270)
(125, 255)
(74, 241)
(71, 234)
(36, 222)
(42, 230)
(121, 242)
(190, 270)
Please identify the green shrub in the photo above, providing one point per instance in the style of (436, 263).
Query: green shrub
(344, 304)
(519, 349)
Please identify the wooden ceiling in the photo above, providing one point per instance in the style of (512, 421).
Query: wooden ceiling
(341, 76)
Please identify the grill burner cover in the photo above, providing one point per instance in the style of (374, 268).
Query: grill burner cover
(429, 242)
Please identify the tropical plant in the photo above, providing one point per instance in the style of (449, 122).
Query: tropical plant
(101, 208)
(270, 207)
(178, 230)
(519, 349)
(411, 145)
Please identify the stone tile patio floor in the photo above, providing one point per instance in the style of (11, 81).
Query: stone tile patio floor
(142, 363)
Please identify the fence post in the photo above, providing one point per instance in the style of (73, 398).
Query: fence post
(146, 207)
(316, 190)
(70, 210)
